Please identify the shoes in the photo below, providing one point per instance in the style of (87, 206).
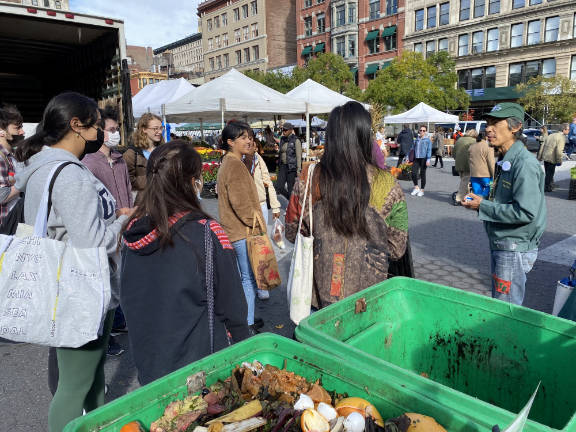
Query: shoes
(548, 190)
(415, 191)
(441, 167)
(258, 322)
(420, 193)
(114, 349)
(434, 166)
(120, 330)
(263, 294)
(253, 330)
(554, 186)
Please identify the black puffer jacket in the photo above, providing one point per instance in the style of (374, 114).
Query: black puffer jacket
(405, 141)
(291, 157)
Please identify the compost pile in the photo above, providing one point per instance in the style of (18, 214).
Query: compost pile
(268, 399)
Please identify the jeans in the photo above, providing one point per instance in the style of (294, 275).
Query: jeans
(248, 281)
(509, 274)
(264, 208)
(571, 147)
(550, 170)
(119, 319)
(419, 164)
(285, 177)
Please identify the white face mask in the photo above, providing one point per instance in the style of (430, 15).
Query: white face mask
(113, 139)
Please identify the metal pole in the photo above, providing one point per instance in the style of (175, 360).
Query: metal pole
(164, 121)
(307, 136)
(222, 119)
(201, 131)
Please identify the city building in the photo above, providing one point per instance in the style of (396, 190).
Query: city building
(366, 33)
(186, 53)
(496, 44)
(247, 35)
(139, 80)
(51, 4)
(139, 58)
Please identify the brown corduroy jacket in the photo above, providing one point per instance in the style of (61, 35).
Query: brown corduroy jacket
(237, 198)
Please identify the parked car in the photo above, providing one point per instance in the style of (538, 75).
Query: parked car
(464, 126)
(532, 142)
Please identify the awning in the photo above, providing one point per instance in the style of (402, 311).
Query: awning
(389, 31)
(371, 69)
(372, 35)
(319, 47)
(386, 64)
(354, 70)
(306, 50)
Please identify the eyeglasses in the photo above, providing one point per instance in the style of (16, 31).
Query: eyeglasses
(156, 129)
(422, 130)
(113, 129)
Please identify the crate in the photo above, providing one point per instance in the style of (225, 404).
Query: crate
(572, 190)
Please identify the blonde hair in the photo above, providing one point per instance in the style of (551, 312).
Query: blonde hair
(139, 137)
(473, 133)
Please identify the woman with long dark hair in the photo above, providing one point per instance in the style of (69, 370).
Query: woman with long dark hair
(359, 211)
(164, 275)
(84, 212)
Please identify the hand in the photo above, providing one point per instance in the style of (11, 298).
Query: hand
(428, 163)
(11, 180)
(474, 204)
(559, 164)
(276, 215)
(125, 211)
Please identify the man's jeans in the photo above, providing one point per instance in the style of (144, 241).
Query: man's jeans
(248, 281)
(571, 147)
(509, 274)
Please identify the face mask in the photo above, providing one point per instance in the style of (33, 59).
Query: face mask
(113, 139)
(93, 146)
(16, 139)
(199, 183)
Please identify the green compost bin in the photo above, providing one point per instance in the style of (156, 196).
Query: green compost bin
(481, 355)
(390, 398)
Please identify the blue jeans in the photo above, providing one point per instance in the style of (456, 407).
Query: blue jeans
(571, 147)
(248, 281)
(509, 274)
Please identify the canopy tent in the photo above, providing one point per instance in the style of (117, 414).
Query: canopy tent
(197, 127)
(315, 122)
(153, 96)
(422, 113)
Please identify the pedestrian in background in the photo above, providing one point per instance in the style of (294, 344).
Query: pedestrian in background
(10, 127)
(238, 206)
(543, 137)
(289, 161)
(145, 139)
(457, 133)
(571, 140)
(405, 142)
(481, 161)
(360, 219)
(438, 147)
(514, 214)
(551, 154)
(462, 164)
(422, 154)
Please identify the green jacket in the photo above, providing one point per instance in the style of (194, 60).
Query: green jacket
(514, 215)
(460, 153)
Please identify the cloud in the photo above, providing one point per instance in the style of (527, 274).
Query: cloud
(147, 22)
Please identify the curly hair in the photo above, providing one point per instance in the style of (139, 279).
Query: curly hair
(139, 137)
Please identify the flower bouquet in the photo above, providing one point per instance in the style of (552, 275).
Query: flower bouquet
(404, 172)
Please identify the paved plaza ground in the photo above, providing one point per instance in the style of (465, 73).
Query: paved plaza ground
(449, 247)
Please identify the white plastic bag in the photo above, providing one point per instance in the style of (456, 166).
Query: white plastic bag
(562, 294)
(278, 230)
(301, 277)
(52, 294)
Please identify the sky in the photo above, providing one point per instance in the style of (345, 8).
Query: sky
(151, 23)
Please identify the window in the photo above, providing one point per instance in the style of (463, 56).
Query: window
(420, 19)
(209, 25)
(516, 35)
(340, 49)
(307, 3)
(319, 1)
(573, 68)
(35, 3)
(238, 57)
(534, 32)
(463, 78)
(351, 46)
(254, 8)
(516, 4)
(320, 24)
(246, 55)
(463, 45)
(47, 3)
(493, 7)
(308, 26)
(522, 72)
(211, 63)
(479, 8)
(226, 60)
(552, 26)
(477, 78)
(217, 42)
(216, 22)
(340, 16)
(464, 10)
(532, 70)
(549, 68)
(255, 53)
(218, 62)
(352, 13)
(374, 9)
(255, 30)
(58, 5)
(477, 42)
(391, 7)
(418, 47)
(236, 14)
(490, 77)
(430, 48)
(443, 45)
(225, 39)
(246, 33)
(237, 35)
(374, 46)
(431, 17)
(492, 44)
(535, 2)
(390, 42)
(224, 19)
(444, 14)
(245, 11)
(210, 44)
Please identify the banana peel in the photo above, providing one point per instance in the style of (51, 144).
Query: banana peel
(242, 413)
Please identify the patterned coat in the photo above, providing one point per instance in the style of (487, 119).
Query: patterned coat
(343, 266)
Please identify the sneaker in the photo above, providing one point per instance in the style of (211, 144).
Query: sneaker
(114, 349)
(554, 186)
(263, 294)
(548, 190)
(253, 330)
(258, 322)
(420, 193)
(120, 330)
(415, 191)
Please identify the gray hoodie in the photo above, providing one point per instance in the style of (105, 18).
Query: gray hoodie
(82, 208)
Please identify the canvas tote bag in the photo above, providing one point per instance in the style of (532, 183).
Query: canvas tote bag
(262, 256)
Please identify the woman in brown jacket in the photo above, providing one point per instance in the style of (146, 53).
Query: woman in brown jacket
(238, 205)
(145, 139)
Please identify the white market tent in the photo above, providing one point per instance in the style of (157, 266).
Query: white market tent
(314, 122)
(153, 96)
(422, 113)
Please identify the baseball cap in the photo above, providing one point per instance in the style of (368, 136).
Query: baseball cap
(287, 126)
(505, 110)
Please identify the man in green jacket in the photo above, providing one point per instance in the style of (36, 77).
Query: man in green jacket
(514, 214)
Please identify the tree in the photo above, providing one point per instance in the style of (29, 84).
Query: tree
(277, 79)
(553, 100)
(410, 80)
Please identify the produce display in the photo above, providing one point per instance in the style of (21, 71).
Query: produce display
(268, 399)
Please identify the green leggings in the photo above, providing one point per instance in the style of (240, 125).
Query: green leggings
(81, 382)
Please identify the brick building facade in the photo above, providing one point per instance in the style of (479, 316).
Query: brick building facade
(368, 34)
(187, 53)
(247, 35)
(141, 58)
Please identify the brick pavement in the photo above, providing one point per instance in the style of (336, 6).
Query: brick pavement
(449, 246)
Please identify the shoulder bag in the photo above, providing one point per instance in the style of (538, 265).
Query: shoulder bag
(210, 281)
(262, 256)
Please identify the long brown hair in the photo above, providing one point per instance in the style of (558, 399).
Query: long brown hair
(139, 137)
(169, 187)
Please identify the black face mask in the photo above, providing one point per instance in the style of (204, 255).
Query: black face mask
(16, 139)
(93, 146)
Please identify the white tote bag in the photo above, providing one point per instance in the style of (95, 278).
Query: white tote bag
(52, 294)
(301, 278)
